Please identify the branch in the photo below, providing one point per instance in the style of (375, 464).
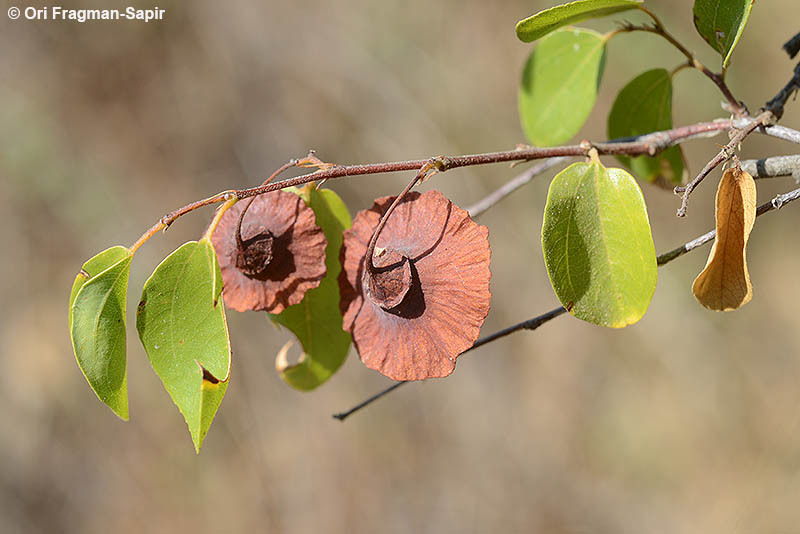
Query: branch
(650, 144)
(535, 322)
(773, 167)
(779, 132)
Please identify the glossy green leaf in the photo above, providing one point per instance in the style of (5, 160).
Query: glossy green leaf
(181, 322)
(317, 320)
(597, 245)
(559, 85)
(538, 25)
(97, 325)
(644, 106)
(721, 23)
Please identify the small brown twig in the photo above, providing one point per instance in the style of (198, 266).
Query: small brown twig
(724, 154)
(650, 144)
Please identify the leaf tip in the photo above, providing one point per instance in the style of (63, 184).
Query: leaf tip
(519, 29)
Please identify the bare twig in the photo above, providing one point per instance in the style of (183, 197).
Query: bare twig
(773, 167)
(778, 101)
(724, 154)
(776, 203)
(792, 46)
(781, 132)
(512, 185)
(529, 324)
(535, 322)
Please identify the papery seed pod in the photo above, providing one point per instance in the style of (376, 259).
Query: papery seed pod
(278, 255)
(428, 294)
(724, 283)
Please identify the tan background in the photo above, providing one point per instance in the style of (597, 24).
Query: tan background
(686, 422)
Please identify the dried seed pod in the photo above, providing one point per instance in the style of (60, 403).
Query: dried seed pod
(724, 284)
(278, 255)
(426, 298)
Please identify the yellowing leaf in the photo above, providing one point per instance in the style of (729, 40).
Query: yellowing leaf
(724, 284)
(597, 245)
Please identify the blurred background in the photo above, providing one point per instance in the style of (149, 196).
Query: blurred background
(688, 421)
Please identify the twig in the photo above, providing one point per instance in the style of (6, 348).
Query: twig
(776, 203)
(344, 415)
(530, 324)
(736, 106)
(781, 132)
(535, 322)
(773, 167)
(512, 185)
(727, 151)
(763, 168)
(778, 101)
(650, 144)
(792, 46)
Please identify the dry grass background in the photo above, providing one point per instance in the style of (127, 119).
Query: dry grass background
(686, 422)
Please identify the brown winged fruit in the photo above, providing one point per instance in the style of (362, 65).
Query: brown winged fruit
(427, 296)
(724, 284)
(276, 257)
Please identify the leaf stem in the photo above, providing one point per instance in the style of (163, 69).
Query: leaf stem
(429, 166)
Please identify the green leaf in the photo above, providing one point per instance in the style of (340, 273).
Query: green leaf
(181, 322)
(97, 325)
(644, 106)
(721, 23)
(559, 85)
(538, 25)
(317, 320)
(597, 245)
